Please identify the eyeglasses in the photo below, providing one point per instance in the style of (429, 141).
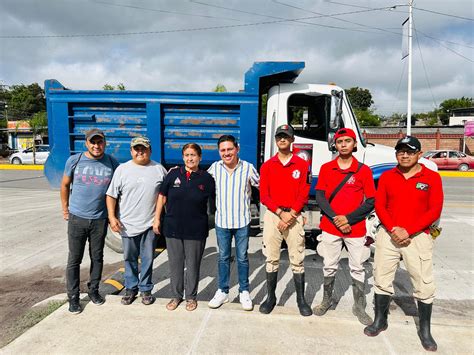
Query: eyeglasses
(410, 153)
(279, 138)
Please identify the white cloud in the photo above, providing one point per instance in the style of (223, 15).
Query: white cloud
(198, 60)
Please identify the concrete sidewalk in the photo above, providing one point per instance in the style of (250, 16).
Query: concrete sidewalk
(116, 329)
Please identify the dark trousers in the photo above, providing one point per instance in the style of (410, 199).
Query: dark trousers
(185, 253)
(79, 231)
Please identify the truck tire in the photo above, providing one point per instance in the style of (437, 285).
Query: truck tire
(114, 241)
(463, 167)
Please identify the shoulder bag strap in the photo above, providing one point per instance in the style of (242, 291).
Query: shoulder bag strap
(339, 187)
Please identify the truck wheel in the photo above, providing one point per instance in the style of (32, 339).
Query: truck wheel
(16, 161)
(114, 241)
(463, 167)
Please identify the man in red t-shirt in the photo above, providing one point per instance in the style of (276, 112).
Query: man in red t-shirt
(345, 194)
(284, 191)
(409, 200)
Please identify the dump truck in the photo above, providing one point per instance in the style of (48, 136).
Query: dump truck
(270, 97)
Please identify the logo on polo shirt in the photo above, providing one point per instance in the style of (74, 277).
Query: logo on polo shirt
(351, 180)
(422, 186)
(177, 182)
(296, 174)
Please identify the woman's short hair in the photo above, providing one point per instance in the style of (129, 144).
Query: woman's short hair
(194, 146)
(227, 138)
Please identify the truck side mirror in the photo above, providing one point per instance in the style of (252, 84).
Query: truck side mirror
(331, 143)
(336, 110)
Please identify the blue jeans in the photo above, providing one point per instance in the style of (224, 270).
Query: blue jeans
(142, 245)
(224, 242)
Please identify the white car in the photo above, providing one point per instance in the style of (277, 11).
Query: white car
(26, 156)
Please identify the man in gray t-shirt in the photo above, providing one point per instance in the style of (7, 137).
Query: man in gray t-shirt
(136, 185)
(86, 178)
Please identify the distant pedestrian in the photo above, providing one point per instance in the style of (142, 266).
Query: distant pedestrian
(345, 194)
(284, 189)
(85, 181)
(234, 180)
(409, 200)
(135, 185)
(185, 194)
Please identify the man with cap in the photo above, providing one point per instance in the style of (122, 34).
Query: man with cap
(409, 200)
(345, 194)
(84, 208)
(136, 184)
(284, 189)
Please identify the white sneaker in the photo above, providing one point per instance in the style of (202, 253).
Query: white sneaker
(246, 301)
(219, 299)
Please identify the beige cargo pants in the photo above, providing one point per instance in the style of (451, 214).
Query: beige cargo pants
(330, 249)
(272, 239)
(418, 260)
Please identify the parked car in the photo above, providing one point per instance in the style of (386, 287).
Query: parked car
(5, 150)
(450, 159)
(26, 156)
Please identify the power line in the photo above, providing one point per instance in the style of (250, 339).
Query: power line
(442, 45)
(207, 28)
(331, 16)
(444, 14)
(450, 42)
(269, 16)
(164, 11)
(390, 8)
(424, 67)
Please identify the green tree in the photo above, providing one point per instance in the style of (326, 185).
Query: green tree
(24, 101)
(108, 87)
(219, 88)
(448, 105)
(367, 118)
(360, 98)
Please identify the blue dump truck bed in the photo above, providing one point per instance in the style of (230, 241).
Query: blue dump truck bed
(169, 119)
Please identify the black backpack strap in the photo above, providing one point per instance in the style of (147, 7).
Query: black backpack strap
(339, 187)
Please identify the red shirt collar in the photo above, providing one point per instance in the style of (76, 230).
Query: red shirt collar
(420, 173)
(275, 159)
(353, 168)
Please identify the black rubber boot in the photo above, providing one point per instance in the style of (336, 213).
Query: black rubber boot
(424, 314)
(321, 309)
(382, 302)
(267, 306)
(358, 309)
(305, 310)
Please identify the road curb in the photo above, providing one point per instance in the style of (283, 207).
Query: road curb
(458, 174)
(21, 167)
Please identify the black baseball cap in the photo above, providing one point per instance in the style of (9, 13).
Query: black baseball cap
(410, 142)
(285, 129)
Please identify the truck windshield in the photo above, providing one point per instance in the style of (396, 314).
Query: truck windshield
(309, 114)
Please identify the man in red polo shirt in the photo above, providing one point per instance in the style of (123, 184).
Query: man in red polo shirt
(343, 220)
(409, 200)
(284, 191)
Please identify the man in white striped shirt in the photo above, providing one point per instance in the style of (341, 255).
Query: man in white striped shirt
(234, 178)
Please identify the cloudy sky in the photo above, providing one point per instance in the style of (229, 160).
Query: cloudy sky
(192, 45)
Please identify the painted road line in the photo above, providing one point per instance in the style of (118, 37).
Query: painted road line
(459, 174)
(21, 167)
(115, 284)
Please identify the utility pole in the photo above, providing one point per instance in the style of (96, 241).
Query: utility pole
(410, 24)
